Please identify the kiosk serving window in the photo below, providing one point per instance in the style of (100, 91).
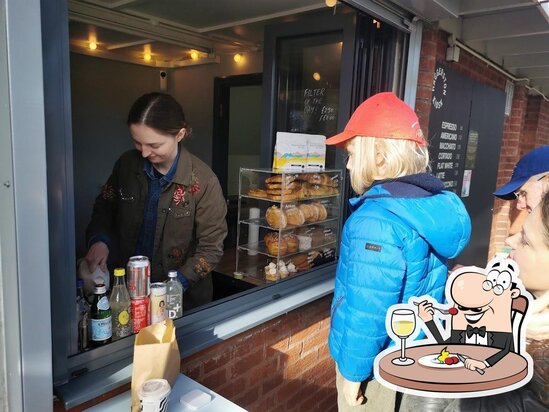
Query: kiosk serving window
(308, 68)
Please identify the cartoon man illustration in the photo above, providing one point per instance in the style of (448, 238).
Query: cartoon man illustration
(482, 310)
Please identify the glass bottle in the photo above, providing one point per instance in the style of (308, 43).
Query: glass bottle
(174, 296)
(101, 326)
(120, 306)
(82, 316)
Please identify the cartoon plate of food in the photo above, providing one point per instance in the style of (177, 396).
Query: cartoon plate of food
(444, 360)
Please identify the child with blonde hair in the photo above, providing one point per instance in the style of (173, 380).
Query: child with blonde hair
(396, 243)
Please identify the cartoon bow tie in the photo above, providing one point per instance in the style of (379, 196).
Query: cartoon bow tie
(479, 331)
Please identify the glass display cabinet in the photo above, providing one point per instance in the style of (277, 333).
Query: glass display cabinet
(288, 222)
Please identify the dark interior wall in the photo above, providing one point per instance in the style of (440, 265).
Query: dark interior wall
(102, 92)
(193, 87)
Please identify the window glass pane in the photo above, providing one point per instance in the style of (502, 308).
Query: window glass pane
(308, 84)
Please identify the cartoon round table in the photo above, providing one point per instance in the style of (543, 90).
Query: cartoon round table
(427, 374)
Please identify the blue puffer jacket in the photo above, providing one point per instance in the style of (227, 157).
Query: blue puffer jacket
(394, 245)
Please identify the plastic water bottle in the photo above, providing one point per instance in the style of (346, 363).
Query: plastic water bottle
(82, 316)
(174, 296)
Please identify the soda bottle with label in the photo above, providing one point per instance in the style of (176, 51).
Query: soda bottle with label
(174, 296)
(82, 316)
(158, 302)
(120, 306)
(101, 326)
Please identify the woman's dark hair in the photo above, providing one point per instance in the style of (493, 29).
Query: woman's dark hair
(545, 216)
(159, 111)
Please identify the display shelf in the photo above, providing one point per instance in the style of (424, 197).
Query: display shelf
(266, 199)
(262, 249)
(262, 222)
(288, 222)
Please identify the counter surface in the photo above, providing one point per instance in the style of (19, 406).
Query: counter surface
(182, 386)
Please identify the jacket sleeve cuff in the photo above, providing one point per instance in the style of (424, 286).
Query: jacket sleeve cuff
(184, 281)
(99, 238)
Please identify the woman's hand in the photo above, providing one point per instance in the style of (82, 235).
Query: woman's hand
(352, 392)
(97, 255)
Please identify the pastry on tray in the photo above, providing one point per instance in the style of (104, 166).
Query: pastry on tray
(322, 179)
(308, 212)
(275, 244)
(294, 216)
(283, 186)
(288, 178)
(271, 274)
(292, 242)
(284, 197)
(322, 212)
(257, 193)
(276, 217)
(301, 262)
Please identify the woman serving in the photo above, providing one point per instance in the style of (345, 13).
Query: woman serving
(162, 202)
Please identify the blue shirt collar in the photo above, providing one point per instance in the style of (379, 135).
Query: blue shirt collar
(149, 170)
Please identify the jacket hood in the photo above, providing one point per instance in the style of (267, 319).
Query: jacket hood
(420, 200)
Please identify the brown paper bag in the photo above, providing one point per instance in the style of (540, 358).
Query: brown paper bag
(155, 356)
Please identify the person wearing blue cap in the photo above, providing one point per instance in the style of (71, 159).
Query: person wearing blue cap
(529, 180)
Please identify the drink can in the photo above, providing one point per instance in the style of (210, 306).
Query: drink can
(158, 302)
(139, 276)
(153, 395)
(139, 313)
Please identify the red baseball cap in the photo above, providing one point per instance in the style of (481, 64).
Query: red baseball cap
(382, 115)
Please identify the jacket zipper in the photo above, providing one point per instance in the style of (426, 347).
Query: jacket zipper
(338, 302)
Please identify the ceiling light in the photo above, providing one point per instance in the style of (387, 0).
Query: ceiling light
(194, 55)
(92, 45)
(316, 76)
(331, 3)
(238, 57)
(147, 57)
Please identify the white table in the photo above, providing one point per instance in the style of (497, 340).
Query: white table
(183, 385)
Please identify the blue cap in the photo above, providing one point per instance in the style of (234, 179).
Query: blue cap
(533, 163)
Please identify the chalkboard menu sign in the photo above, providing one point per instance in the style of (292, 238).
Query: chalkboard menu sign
(315, 111)
(449, 125)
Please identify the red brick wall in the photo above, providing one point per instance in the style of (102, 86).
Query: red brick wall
(433, 51)
(282, 365)
(538, 116)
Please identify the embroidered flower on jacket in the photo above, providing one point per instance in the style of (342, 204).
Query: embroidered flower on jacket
(202, 267)
(179, 194)
(108, 192)
(195, 187)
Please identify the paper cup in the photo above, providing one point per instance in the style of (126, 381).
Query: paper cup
(153, 395)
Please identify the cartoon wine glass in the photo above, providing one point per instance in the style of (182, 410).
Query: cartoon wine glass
(403, 323)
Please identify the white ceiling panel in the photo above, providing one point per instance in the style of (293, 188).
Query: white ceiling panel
(511, 33)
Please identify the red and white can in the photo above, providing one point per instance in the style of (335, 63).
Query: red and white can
(140, 313)
(139, 276)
